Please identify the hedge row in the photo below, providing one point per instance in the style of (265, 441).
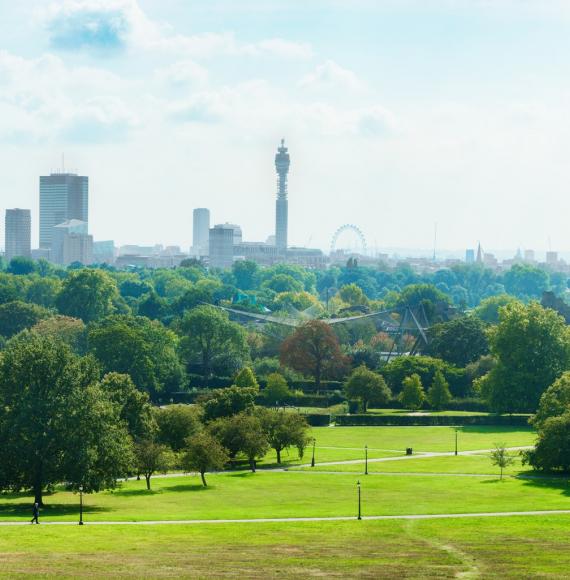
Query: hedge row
(318, 420)
(430, 420)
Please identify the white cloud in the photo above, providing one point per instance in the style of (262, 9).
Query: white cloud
(99, 120)
(330, 75)
(183, 74)
(113, 25)
(43, 99)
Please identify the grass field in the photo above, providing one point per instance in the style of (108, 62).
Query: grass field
(298, 494)
(468, 464)
(510, 547)
(347, 443)
(478, 548)
(421, 438)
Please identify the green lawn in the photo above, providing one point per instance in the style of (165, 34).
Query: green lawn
(347, 443)
(483, 547)
(395, 549)
(421, 438)
(475, 464)
(298, 494)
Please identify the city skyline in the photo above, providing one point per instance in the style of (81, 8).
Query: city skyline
(403, 117)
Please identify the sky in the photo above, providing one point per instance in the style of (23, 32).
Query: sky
(398, 114)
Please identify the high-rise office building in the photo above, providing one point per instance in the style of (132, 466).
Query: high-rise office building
(63, 197)
(282, 162)
(221, 243)
(200, 231)
(552, 258)
(470, 256)
(71, 243)
(18, 233)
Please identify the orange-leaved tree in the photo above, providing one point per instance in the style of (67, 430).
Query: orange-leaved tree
(313, 349)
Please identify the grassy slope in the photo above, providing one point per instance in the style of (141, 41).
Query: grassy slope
(298, 494)
(421, 438)
(490, 548)
(474, 464)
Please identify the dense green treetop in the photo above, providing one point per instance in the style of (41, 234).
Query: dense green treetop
(142, 348)
(87, 294)
(460, 341)
(532, 348)
(17, 316)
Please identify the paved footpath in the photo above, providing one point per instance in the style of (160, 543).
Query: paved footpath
(419, 455)
(321, 519)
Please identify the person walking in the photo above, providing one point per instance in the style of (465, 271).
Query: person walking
(36, 513)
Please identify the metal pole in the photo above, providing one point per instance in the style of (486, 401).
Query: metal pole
(359, 502)
(80, 505)
(456, 431)
(366, 460)
(313, 458)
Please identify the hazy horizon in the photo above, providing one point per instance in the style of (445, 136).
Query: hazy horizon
(397, 115)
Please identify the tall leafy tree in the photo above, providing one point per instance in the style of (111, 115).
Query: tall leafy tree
(208, 336)
(176, 423)
(141, 348)
(17, 316)
(284, 430)
(135, 408)
(152, 457)
(43, 291)
(438, 394)
(241, 433)
(227, 402)
(276, 390)
(555, 401)
(204, 453)
(246, 378)
(532, 348)
(56, 422)
(552, 450)
(72, 331)
(367, 387)
(488, 309)
(244, 272)
(21, 266)
(525, 280)
(313, 349)
(412, 395)
(459, 342)
(87, 294)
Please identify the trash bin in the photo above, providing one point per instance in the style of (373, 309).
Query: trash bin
(409, 451)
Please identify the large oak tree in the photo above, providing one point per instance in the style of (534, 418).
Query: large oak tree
(313, 349)
(56, 422)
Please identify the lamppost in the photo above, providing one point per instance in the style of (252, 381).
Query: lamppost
(456, 432)
(359, 503)
(327, 299)
(366, 460)
(80, 505)
(313, 458)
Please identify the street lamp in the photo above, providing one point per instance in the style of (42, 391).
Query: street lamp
(359, 502)
(313, 458)
(80, 505)
(366, 460)
(456, 432)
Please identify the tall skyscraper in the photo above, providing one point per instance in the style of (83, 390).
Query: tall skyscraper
(63, 197)
(200, 231)
(282, 163)
(222, 246)
(18, 233)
